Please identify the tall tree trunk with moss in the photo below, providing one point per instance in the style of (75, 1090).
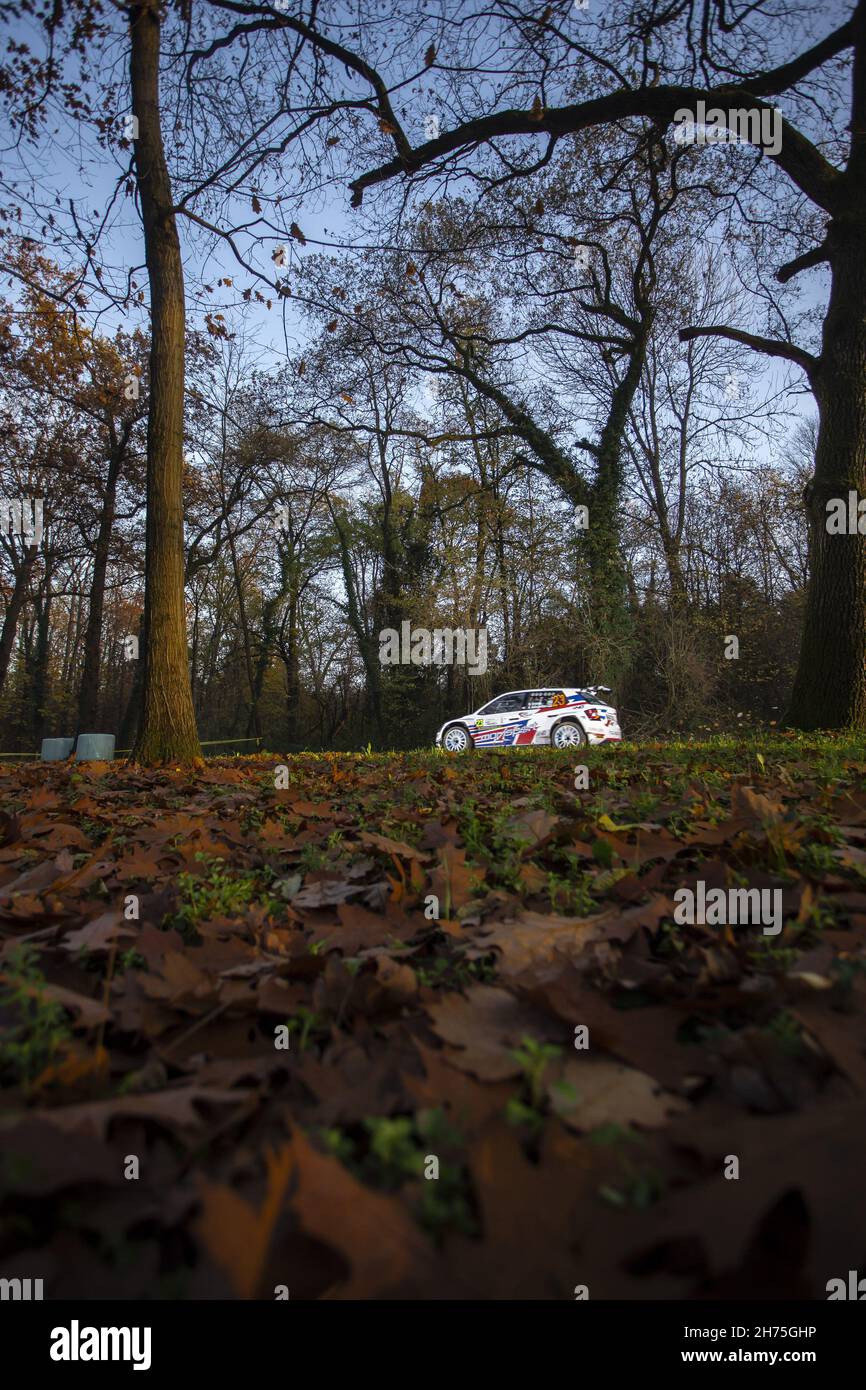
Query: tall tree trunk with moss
(167, 729)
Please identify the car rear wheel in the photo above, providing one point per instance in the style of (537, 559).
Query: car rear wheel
(568, 734)
(456, 739)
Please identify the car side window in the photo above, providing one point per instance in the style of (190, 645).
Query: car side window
(535, 699)
(506, 704)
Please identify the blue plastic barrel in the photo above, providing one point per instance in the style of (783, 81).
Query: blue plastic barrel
(54, 750)
(93, 748)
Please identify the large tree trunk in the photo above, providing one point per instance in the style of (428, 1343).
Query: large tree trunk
(167, 729)
(830, 686)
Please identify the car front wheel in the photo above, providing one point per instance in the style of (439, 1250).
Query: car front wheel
(456, 739)
(568, 734)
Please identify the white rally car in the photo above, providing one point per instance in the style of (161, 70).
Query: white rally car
(561, 717)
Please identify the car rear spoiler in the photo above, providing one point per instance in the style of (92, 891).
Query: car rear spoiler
(598, 689)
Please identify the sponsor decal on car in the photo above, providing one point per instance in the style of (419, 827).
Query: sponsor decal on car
(504, 735)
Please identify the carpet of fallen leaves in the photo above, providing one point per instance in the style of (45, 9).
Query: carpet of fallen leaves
(333, 990)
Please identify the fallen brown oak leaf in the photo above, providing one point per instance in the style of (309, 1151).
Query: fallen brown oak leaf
(371, 840)
(388, 1254)
(587, 1092)
(533, 937)
(453, 881)
(172, 1108)
(98, 936)
(360, 929)
(532, 1216)
(485, 1026)
(38, 878)
(469, 1102)
(90, 1012)
(644, 1037)
(237, 1235)
(380, 986)
(720, 1218)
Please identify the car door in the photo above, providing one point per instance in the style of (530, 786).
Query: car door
(546, 706)
(533, 700)
(499, 721)
(482, 719)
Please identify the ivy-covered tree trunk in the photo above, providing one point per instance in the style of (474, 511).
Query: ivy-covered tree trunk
(610, 616)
